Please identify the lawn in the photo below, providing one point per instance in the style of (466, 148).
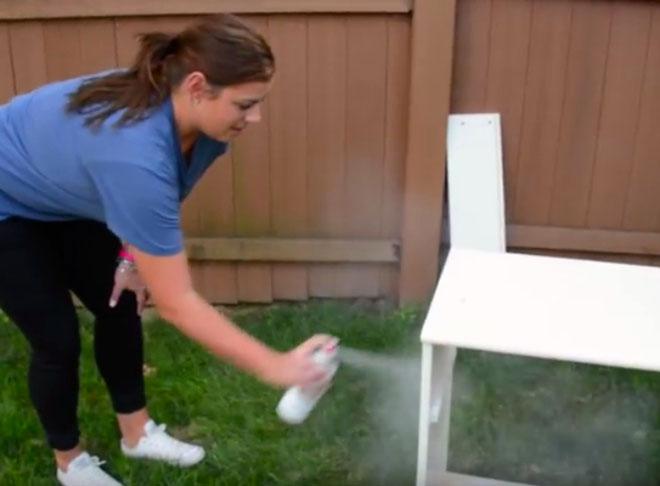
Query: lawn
(538, 421)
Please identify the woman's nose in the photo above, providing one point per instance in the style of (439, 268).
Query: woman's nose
(254, 114)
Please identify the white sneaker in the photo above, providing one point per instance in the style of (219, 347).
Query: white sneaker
(84, 470)
(158, 445)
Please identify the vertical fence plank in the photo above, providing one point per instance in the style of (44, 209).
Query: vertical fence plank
(97, 45)
(365, 142)
(432, 51)
(7, 89)
(28, 55)
(62, 45)
(507, 67)
(468, 88)
(618, 126)
(326, 72)
(590, 30)
(210, 213)
(288, 146)
(252, 195)
(396, 117)
(544, 95)
(642, 209)
(74, 48)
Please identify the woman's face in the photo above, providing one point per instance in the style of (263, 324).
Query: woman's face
(224, 113)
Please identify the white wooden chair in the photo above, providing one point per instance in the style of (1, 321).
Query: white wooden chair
(486, 299)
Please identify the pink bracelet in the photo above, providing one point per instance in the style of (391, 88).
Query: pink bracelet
(124, 255)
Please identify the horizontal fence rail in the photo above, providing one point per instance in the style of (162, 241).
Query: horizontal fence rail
(591, 240)
(45, 9)
(293, 250)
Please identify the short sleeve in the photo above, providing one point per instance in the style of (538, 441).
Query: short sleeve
(141, 206)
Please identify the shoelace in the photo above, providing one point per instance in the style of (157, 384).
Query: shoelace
(91, 461)
(97, 461)
(168, 440)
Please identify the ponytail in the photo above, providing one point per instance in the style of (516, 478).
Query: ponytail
(226, 50)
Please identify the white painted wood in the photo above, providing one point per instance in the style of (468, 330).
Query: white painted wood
(453, 479)
(557, 308)
(435, 399)
(475, 182)
(424, 415)
(476, 220)
(442, 381)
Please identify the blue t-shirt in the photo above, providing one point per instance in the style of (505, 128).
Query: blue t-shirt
(133, 178)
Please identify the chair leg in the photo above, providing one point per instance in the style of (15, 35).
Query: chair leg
(435, 411)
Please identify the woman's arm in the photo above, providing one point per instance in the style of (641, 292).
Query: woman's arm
(170, 285)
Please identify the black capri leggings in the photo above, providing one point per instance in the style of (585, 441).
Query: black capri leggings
(40, 263)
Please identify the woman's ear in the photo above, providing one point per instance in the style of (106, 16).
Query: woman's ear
(196, 86)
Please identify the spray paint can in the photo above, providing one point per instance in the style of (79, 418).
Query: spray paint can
(297, 402)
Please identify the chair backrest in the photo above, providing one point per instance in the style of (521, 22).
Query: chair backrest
(475, 183)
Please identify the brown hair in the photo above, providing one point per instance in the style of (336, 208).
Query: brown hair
(222, 47)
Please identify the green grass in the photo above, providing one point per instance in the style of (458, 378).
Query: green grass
(513, 418)
(228, 412)
(555, 423)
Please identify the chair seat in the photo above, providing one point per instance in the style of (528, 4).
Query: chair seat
(544, 307)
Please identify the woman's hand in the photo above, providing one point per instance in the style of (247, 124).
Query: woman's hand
(296, 367)
(128, 278)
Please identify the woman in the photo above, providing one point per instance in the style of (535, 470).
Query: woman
(95, 168)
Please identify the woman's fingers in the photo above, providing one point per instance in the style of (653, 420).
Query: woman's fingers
(117, 289)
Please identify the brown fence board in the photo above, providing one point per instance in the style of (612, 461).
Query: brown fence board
(7, 89)
(62, 47)
(216, 217)
(544, 96)
(430, 93)
(587, 56)
(288, 150)
(73, 49)
(13, 9)
(291, 250)
(216, 281)
(28, 55)
(326, 72)
(289, 281)
(471, 67)
(252, 193)
(398, 81)
(216, 193)
(365, 140)
(209, 212)
(593, 240)
(620, 113)
(97, 45)
(507, 69)
(642, 210)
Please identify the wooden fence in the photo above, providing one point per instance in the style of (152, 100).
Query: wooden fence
(339, 191)
(578, 86)
(308, 203)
